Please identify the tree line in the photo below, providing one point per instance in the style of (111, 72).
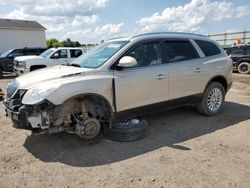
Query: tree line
(54, 43)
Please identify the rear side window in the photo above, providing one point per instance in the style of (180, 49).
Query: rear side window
(208, 48)
(30, 52)
(248, 50)
(236, 50)
(75, 53)
(179, 51)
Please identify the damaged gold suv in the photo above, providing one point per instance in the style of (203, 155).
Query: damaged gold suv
(121, 79)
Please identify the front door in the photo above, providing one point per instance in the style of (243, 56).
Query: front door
(144, 84)
(60, 57)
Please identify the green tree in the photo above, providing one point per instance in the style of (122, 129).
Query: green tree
(70, 43)
(54, 43)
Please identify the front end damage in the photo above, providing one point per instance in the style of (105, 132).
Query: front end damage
(82, 115)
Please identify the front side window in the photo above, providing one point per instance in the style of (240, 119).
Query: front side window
(75, 53)
(147, 54)
(208, 48)
(99, 55)
(179, 51)
(61, 54)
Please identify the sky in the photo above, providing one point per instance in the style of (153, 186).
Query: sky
(90, 21)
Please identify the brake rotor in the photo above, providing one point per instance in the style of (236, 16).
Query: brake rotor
(89, 129)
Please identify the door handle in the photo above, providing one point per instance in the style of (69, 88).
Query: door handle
(161, 76)
(198, 70)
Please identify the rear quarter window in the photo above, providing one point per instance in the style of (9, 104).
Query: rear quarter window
(208, 48)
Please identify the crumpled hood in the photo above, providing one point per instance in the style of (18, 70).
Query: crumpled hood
(29, 57)
(49, 74)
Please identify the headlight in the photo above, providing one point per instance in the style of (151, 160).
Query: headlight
(39, 93)
(22, 64)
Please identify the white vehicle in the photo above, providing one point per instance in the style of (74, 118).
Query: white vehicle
(51, 57)
(121, 79)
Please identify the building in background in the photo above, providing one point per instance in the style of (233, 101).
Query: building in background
(228, 39)
(20, 34)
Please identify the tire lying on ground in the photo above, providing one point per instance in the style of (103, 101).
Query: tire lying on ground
(126, 132)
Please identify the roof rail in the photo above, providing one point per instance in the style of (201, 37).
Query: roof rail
(160, 33)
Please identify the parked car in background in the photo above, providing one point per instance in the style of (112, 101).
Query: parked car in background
(240, 55)
(123, 78)
(7, 58)
(51, 57)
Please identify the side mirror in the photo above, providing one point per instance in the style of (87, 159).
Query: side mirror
(127, 61)
(55, 56)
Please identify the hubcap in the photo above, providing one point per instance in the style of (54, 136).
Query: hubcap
(214, 99)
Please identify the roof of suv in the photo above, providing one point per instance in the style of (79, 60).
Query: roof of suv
(162, 34)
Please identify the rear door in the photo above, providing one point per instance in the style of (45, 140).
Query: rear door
(185, 68)
(146, 83)
(75, 53)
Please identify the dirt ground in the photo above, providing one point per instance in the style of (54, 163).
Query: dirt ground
(183, 149)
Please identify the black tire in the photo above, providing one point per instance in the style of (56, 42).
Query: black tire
(127, 133)
(203, 106)
(1, 73)
(244, 68)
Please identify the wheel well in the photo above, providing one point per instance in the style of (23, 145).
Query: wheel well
(37, 67)
(219, 79)
(96, 105)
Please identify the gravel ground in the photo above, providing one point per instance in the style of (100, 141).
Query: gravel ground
(183, 149)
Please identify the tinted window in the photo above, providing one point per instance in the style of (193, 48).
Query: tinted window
(208, 48)
(41, 50)
(236, 50)
(179, 51)
(30, 52)
(75, 53)
(147, 54)
(248, 50)
(16, 53)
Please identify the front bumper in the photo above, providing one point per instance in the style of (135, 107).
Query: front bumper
(19, 71)
(17, 113)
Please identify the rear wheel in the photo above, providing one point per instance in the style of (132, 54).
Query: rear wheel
(244, 68)
(212, 100)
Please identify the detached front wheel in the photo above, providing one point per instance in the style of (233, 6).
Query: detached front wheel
(244, 68)
(212, 100)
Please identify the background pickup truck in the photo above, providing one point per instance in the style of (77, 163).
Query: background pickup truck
(51, 57)
(7, 58)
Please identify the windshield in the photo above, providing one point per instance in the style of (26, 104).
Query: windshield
(5, 54)
(98, 56)
(46, 53)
